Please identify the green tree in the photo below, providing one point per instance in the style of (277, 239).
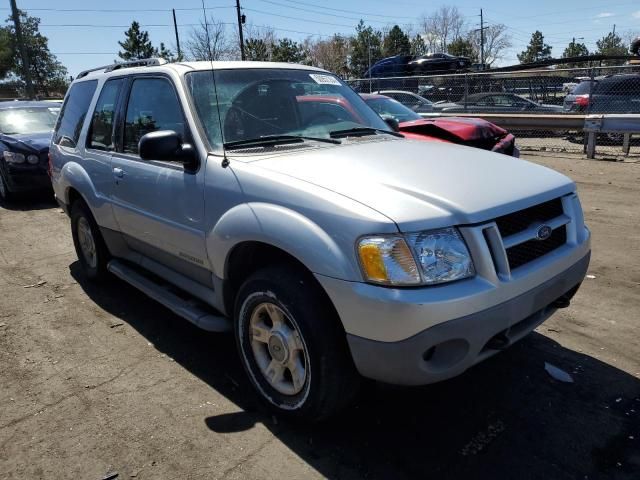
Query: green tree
(611, 44)
(575, 49)
(461, 47)
(286, 50)
(166, 53)
(396, 43)
(537, 49)
(48, 75)
(136, 44)
(256, 49)
(6, 52)
(366, 49)
(418, 47)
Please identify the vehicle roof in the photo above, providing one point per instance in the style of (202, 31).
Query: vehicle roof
(25, 103)
(485, 94)
(396, 91)
(184, 67)
(373, 95)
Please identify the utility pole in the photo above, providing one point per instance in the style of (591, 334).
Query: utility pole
(175, 28)
(26, 67)
(614, 28)
(240, 29)
(481, 40)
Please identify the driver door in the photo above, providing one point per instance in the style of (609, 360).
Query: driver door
(159, 205)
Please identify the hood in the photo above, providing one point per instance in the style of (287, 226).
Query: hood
(422, 185)
(30, 142)
(455, 129)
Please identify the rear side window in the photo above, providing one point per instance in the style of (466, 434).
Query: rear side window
(153, 105)
(101, 130)
(583, 88)
(73, 113)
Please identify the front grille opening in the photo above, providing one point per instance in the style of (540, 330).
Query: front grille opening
(516, 222)
(524, 253)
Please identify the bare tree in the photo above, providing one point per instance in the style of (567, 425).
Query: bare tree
(331, 54)
(199, 45)
(442, 27)
(496, 42)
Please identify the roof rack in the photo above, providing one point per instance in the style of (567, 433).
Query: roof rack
(145, 62)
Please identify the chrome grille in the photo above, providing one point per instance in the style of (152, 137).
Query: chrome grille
(531, 248)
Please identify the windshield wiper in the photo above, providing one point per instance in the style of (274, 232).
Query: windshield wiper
(275, 140)
(361, 131)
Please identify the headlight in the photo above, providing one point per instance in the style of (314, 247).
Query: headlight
(387, 260)
(13, 157)
(33, 159)
(442, 254)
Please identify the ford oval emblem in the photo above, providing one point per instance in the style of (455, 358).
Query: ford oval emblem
(544, 232)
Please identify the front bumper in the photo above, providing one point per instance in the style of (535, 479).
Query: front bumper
(26, 178)
(448, 349)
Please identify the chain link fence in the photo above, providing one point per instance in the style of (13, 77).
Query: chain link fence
(572, 91)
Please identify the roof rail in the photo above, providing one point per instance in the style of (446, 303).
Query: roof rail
(145, 62)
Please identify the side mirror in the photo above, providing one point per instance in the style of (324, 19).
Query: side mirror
(166, 145)
(392, 122)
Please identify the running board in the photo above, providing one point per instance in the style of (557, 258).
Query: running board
(191, 309)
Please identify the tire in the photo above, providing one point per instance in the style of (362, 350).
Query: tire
(283, 324)
(88, 242)
(5, 194)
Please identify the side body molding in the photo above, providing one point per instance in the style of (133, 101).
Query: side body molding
(283, 228)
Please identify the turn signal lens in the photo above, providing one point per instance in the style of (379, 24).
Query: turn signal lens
(388, 261)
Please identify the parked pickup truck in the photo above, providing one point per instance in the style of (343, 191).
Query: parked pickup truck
(333, 249)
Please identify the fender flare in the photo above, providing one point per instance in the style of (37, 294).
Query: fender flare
(279, 227)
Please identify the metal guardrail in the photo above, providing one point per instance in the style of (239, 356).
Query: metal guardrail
(625, 125)
(522, 121)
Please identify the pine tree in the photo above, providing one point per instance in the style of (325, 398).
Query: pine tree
(418, 47)
(286, 50)
(396, 43)
(137, 44)
(256, 49)
(611, 44)
(537, 49)
(365, 49)
(462, 48)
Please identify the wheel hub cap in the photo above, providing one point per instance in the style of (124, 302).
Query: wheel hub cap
(278, 349)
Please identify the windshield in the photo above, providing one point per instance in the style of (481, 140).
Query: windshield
(28, 120)
(255, 103)
(388, 106)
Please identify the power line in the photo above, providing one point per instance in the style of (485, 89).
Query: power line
(297, 18)
(345, 11)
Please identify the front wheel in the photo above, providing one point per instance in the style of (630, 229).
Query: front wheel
(292, 345)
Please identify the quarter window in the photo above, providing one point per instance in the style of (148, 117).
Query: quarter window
(73, 113)
(101, 133)
(153, 105)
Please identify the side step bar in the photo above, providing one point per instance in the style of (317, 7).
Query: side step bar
(189, 309)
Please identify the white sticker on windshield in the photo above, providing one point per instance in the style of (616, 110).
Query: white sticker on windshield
(324, 79)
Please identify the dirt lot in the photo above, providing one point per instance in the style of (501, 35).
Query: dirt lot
(103, 380)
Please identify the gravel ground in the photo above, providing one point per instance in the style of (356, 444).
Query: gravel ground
(102, 380)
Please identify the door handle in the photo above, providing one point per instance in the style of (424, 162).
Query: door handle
(118, 172)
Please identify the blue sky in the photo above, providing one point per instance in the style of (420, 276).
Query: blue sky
(82, 39)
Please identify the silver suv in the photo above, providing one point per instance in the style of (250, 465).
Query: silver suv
(332, 247)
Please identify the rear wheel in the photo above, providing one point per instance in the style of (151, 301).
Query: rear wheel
(87, 240)
(292, 345)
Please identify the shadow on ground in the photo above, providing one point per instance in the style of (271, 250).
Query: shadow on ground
(503, 419)
(32, 201)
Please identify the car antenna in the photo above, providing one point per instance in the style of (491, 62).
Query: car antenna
(225, 160)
